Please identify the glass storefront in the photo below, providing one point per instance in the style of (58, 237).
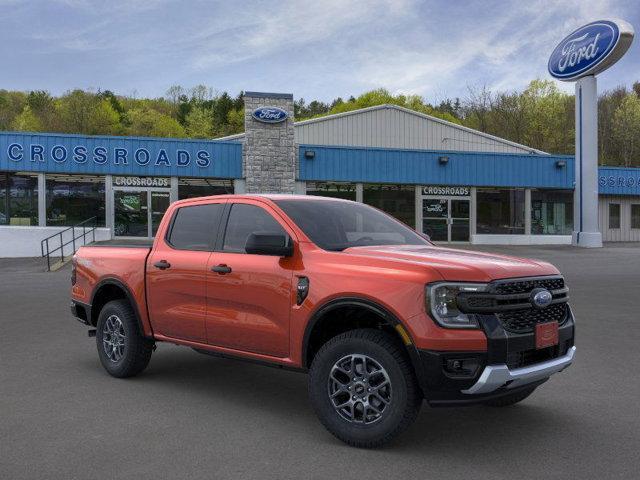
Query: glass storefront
(72, 199)
(446, 219)
(500, 211)
(551, 212)
(203, 187)
(396, 200)
(18, 199)
(346, 191)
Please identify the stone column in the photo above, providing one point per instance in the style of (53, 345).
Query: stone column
(269, 153)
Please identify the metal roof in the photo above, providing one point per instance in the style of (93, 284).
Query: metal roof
(392, 126)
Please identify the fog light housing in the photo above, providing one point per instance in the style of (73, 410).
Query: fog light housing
(461, 367)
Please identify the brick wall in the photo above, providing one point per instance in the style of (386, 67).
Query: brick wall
(269, 153)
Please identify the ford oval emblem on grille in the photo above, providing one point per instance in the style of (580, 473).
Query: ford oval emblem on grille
(541, 298)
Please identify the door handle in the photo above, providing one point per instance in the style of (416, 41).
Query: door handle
(162, 265)
(222, 269)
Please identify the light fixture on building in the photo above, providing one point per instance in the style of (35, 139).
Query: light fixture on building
(443, 160)
(309, 154)
(561, 163)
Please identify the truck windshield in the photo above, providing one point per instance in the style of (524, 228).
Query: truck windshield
(336, 225)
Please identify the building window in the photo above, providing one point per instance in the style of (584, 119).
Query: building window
(614, 215)
(551, 212)
(18, 199)
(72, 199)
(346, 191)
(635, 215)
(398, 201)
(500, 211)
(203, 187)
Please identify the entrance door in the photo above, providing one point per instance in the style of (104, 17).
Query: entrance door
(137, 213)
(446, 219)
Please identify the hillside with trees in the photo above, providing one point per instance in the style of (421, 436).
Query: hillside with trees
(540, 116)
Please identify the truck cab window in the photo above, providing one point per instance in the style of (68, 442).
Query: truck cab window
(244, 220)
(194, 227)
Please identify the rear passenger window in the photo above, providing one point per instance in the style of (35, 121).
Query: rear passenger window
(244, 220)
(194, 227)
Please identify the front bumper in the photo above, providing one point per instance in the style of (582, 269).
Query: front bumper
(494, 377)
(510, 363)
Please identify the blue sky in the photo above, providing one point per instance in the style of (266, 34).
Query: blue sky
(313, 49)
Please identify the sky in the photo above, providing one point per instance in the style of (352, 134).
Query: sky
(318, 49)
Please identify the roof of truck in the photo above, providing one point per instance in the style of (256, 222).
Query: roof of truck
(268, 196)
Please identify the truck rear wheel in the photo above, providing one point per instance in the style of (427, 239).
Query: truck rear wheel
(512, 399)
(363, 388)
(122, 349)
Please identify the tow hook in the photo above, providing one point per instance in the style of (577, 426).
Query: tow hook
(91, 333)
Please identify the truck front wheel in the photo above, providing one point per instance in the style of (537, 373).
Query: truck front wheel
(122, 349)
(363, 388)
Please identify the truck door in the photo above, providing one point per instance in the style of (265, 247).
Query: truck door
(249, 297)
(177, 271)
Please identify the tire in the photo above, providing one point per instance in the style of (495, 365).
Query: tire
(390, 376)
(509, 400)
(117, 323)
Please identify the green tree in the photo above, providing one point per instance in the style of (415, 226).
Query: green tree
(104, 120)
(548, 127)
(11, 105)
(626, 129)
(147, 122)
(27, 121)
(198, 123)
(75, 109)
(235, 121)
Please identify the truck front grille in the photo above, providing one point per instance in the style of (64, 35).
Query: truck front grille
(523, 321)
(509, 300)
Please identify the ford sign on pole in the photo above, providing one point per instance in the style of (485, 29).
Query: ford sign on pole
(270, 114)
(590, 49)
(587, 51)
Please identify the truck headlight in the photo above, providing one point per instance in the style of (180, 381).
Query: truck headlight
(442, 304)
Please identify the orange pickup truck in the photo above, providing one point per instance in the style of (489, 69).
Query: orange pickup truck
(379, 317)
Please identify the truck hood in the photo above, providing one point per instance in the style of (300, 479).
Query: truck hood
(459, 265)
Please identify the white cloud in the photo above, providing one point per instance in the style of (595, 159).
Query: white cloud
(318, 49)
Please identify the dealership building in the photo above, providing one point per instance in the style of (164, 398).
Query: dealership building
(451, 182)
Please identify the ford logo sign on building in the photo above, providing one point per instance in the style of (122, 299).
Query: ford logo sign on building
(590, 49)
(270, 114)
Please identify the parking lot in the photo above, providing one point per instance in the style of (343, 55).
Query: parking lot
(193, 416)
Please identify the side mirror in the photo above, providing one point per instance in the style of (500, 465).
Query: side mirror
(425, 236)
(262, 243)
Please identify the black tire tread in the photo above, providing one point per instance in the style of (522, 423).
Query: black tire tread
(414, 394)
(139, 348)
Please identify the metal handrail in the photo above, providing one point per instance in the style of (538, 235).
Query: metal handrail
(88, 228)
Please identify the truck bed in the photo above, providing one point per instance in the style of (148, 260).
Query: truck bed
(130, 243)
(119, 262)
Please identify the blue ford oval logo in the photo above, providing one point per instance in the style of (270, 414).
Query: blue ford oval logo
(579, 53)
(541, 298)
(270, 114)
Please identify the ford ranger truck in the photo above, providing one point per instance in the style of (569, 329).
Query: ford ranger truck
(379, 317)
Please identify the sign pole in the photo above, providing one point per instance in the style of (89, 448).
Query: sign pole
(585, 213)
(579, 57)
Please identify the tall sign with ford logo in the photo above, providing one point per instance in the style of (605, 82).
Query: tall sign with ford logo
(583, 54)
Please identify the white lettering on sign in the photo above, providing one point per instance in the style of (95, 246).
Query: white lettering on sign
(442, 190)
(572, 55)
(141, 182)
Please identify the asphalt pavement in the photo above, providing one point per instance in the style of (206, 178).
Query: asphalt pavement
(194, 416)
